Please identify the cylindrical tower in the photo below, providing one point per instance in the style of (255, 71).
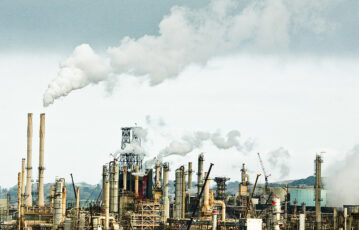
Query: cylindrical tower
(28, 193)
(40, 201)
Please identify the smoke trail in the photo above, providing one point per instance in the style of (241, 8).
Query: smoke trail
(82, 68)
(342, 178)
(189, 143)
(279, 159)
(192, 36)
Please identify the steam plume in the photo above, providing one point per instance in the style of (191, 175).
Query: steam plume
(192, 36)
(194, 141)
(279, 159)
(342, 179)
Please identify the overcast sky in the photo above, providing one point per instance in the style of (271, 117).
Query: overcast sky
(283, 74)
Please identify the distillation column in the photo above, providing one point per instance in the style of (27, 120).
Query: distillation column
(166, 201)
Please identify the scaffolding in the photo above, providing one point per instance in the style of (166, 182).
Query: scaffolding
(147, 216)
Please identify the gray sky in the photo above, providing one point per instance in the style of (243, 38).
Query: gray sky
(291, 83)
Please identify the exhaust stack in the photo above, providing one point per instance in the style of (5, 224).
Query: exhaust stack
(40, 201)
(318, 186)
(165, 193)
(189, 176)
(28, 195)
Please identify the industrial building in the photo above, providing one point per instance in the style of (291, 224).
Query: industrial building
(137, 198)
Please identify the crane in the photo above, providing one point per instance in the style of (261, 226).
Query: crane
(264, 172)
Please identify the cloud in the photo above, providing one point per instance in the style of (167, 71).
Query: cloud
(192, 36)
(278, 158)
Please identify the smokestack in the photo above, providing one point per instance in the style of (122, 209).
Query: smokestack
(104, 180)
(189, 176)
(124, 178)
(136, 181)
(107, 204)
(183, 172)
(200, 173)
(158, 174)
(19, 200)
(318, 185)
(111, 175)
(178, 194)
(22, 181)
(115, 187)
(40, 201)
(335, 216)
(77, 205)
(165, 193)
(28, 195)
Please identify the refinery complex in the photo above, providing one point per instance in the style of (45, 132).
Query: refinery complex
(138, 198)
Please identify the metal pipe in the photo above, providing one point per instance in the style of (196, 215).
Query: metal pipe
(165, 193)
(214, 221)
(205, 207)
(189, 176)
(124, 178)
(40, 200)
(223, 205)
(28, 195)
(136, 181)
(107, 204)
(19, 200)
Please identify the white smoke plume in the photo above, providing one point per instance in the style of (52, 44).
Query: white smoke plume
(279, 159)
(193, 36)
(342, 180)
(189, 143)
(82, 68)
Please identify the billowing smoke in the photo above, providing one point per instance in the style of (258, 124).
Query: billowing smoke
(194, 141)
(82, 68)
(342, 180)
(279, 159)
(192, 36)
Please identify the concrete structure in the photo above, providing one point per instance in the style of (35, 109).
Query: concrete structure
(40, 201)
(28, 192)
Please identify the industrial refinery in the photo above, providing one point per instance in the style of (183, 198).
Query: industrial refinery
(138, 198)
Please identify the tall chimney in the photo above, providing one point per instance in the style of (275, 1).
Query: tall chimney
(23, 181)
(165, 193)
(200, 173)
(183, 191)
(77, 206)
(124, 178)
(158, 174)
(28, 195)
(206, 195)
(318, 185)
(40, 201)
(189, 176)
(19, 201)
(114, 188)
(104, 180)
(64, 201)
